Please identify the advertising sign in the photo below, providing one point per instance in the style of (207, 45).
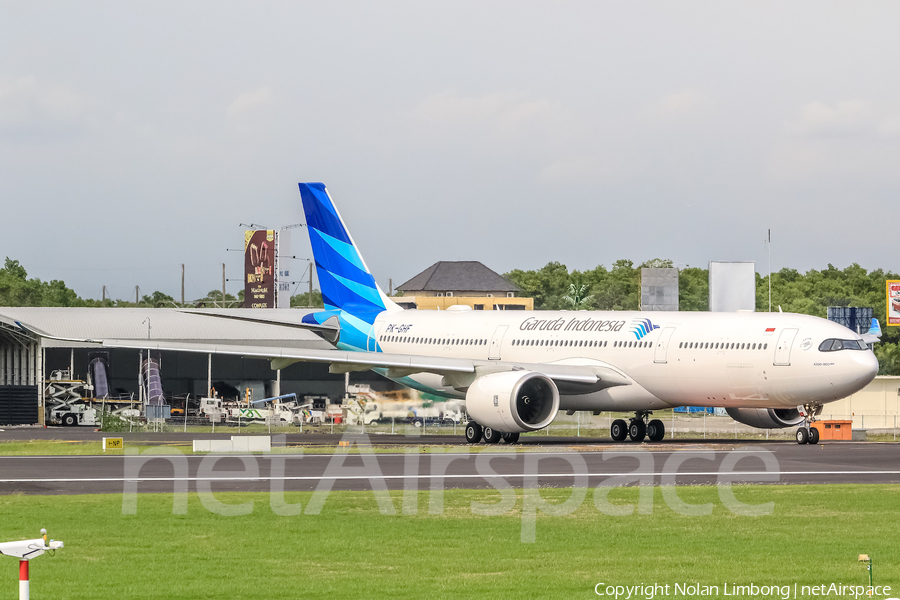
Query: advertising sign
(732, 286)
(893, 302)
(283, 275)
(259, 269)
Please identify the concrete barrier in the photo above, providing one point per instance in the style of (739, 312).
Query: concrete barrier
(237, 443)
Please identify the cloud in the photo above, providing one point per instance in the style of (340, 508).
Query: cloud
(249, 102)
(682, 103)
(590, 169)
(29, 106)
(890, 127)
(846, 118)
(502, 112)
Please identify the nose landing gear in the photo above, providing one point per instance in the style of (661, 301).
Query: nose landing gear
(807, 434)
(638, 428)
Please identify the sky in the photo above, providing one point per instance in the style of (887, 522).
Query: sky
(137, 136)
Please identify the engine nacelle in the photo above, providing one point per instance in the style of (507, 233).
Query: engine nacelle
(766, 418)
(513, 401)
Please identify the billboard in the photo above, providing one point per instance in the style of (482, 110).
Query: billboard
(259, 269)
(283, 270)
(893, 302)
(732, 286)
(659, 289)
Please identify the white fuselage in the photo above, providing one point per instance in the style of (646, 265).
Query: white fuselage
(745, 359)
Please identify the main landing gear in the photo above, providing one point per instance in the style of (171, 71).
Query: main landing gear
(807, 434)
(638, 428)
(475, 433)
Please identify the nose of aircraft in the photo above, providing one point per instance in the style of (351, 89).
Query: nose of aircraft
(863, 369)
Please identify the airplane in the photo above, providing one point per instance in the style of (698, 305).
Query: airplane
(516, 370)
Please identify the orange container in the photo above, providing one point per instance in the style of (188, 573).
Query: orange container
(834, 430)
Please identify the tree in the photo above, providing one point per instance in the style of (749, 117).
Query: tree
(16, 289)
(213, 299)
(302, 300)
(158, 300)
(693, 289)
(548, 285)
(577, 297)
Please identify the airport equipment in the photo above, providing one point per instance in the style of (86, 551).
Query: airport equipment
(98, 373)
(150, 370)
(275, 399)
(868, 560)
(25, 551)
(62, 389)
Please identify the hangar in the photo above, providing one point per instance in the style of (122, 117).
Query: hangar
(27, 361)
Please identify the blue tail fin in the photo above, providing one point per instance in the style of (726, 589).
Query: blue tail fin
(348, 289)
(875, 328)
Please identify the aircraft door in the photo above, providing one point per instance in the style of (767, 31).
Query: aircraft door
(662, 346)
(372, 341)
(783, 347)
(496, 341)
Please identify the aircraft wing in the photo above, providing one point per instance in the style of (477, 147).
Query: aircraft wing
(328, 330)
(460, 372)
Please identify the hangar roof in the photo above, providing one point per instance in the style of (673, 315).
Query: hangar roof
(166, 324)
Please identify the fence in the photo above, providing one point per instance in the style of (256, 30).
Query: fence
(678, 425)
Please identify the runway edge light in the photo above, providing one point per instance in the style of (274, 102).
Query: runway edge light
(25, 550)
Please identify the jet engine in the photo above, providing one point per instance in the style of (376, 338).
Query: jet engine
(766, 418)
(513, 401)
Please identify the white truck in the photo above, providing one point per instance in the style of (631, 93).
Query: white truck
(402, 406)
(73, 414)
(276, 413)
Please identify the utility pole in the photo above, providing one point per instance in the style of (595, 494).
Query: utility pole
(223, 285)
(309, 298)
(182, 293)
(104, 294)
(769, 248)
(137, 294)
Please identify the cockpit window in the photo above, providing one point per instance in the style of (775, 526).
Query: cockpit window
(833, 345)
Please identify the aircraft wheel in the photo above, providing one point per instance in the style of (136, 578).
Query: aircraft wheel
(618, 431)
(69, 420)
(802, 435)
(656, 431)
(637, 430)
(491, 436)
(813, 435)
(473, 432)
(510, 438)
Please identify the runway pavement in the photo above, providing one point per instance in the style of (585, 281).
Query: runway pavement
(316, 438)
(557, 465)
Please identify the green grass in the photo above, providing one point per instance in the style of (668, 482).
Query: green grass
(350, 550)
(82, 448)
(60, 448)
